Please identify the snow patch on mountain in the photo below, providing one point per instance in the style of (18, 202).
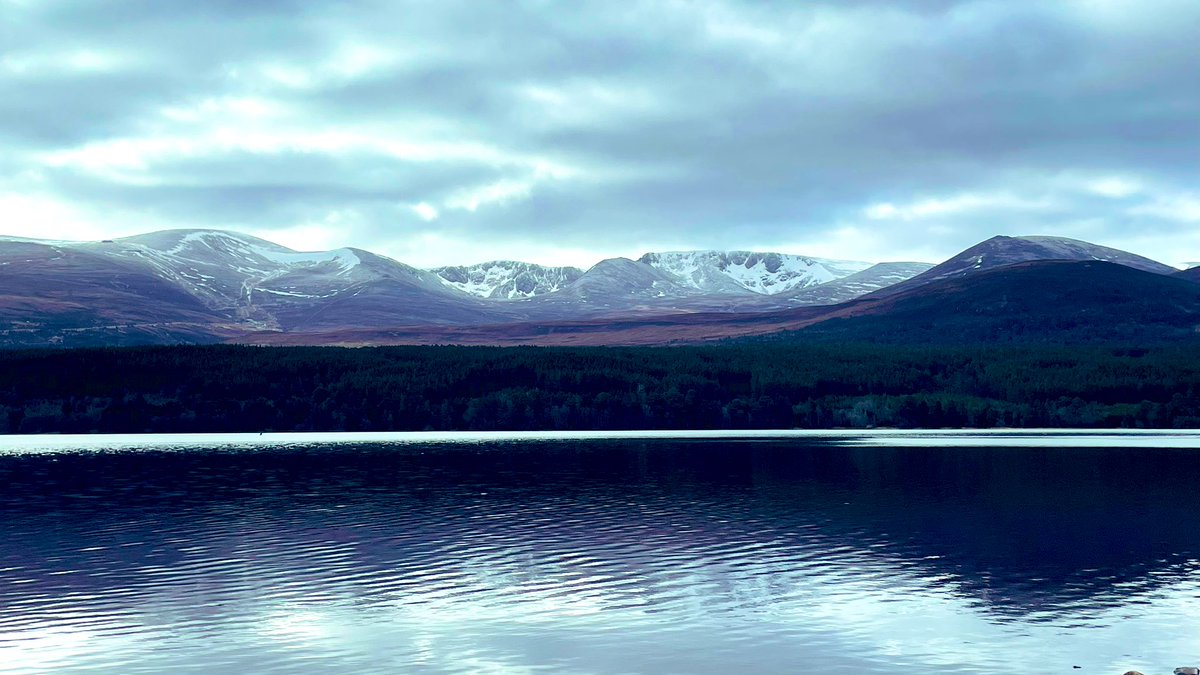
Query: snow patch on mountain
(343, 258)
(740, 271)
(1074, 249)
(858, 284)
(236, 272)
(249, 253)
(1000, 251)
(507, 279)
(43, 242)
(1003, 250)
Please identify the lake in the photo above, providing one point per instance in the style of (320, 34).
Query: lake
(828, 552)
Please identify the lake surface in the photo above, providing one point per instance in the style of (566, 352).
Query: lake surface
(942, 552)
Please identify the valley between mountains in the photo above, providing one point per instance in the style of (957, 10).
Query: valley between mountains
(210, 286)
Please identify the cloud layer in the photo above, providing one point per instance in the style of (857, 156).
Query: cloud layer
(566, 132)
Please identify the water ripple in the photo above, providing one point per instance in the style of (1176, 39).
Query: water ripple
(613, 556)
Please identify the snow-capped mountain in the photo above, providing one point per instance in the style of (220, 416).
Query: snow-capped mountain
(622, 279)
(1063, 248)
(210, 285)
(214, 278)
(273, 286)
(197, 285)
(1000, 251)
(858, 284)
(741, 271)
(232, 270)
(507, 279)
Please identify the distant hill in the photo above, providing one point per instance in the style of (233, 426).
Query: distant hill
(1043, 301)
(1191, 274)
(1001, 251)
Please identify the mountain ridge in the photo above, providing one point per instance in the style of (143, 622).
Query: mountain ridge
(214, 285)
(763, 273)
(507, 279)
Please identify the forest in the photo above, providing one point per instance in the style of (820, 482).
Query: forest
(252, 389)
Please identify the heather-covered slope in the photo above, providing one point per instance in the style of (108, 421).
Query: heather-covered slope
(65, 296)
(200, 285)
(1050, 301)
(1002, 251)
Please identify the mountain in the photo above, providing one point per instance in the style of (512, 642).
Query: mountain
(59, 293)
(1061, 302)
(858, 284)
(210, 283)
(741, 271)
(235, 273)
(507, 279)
(1040, 301)
(685, 281)
(708, 281)
(271, 286)
(197, 285)
(1000, 251)
(1191, 274)
(624, 284)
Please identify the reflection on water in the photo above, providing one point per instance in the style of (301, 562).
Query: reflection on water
(600, 556)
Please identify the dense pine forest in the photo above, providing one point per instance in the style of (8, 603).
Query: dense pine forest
(228, 388)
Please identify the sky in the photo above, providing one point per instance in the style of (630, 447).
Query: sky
(455, 132)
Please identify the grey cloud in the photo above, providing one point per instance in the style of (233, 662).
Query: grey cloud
(277, 190)
(712, 123)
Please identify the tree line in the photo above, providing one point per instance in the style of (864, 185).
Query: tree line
(250, 389)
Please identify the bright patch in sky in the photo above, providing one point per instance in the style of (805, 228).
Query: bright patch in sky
(426, 211)
(905, 131)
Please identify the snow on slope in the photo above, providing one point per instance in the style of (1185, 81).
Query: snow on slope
(741, 271)
(1002, 250)
(507, 279)
(858, 284)
(228, 271)
(233, 270)
(1074, 249)
(246, 254)
(344, 259)
(251, 283)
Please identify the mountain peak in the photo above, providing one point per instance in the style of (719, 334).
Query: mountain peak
(1068, 301)
(507, 279)
(169, 239)
(1002, 250)
(622, 276)
(739, 272)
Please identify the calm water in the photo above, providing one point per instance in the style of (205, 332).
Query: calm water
(891, 553)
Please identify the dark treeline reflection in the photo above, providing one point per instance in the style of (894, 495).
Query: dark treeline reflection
(1015, 530)
(228, 389)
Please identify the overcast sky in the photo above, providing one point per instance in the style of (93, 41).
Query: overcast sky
(565, 132)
